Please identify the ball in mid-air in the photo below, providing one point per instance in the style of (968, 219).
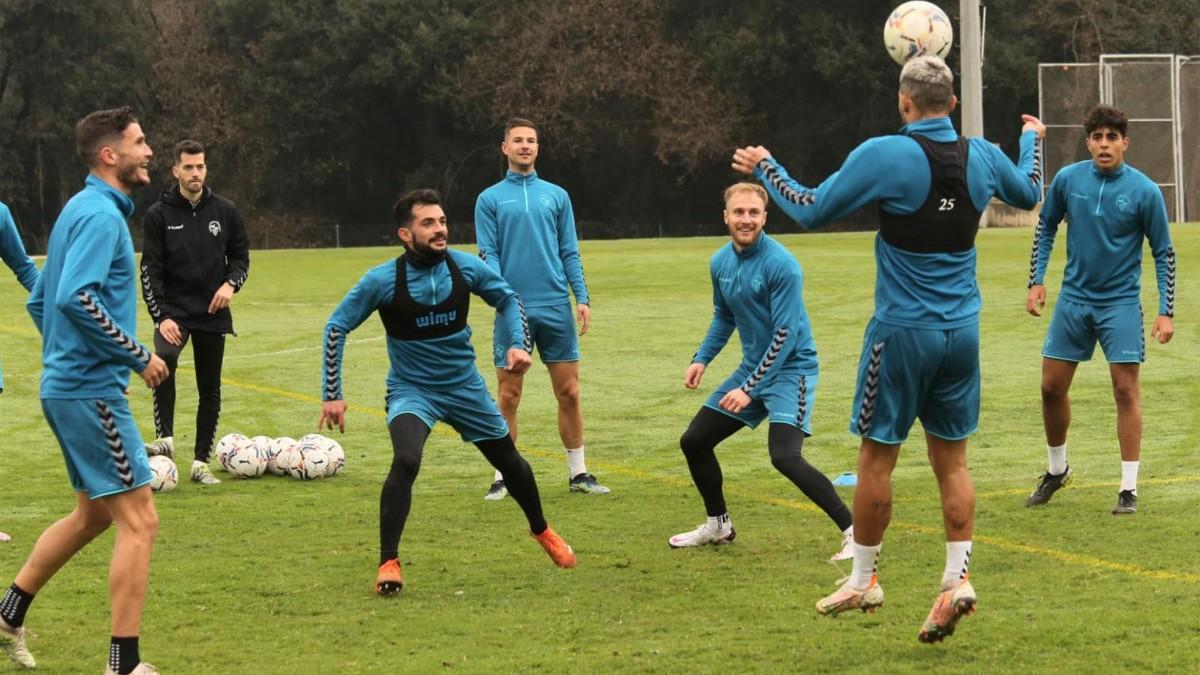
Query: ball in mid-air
(917, 28)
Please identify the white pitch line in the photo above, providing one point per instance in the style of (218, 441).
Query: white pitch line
(284, 351)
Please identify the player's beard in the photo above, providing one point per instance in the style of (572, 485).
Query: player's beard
(424, 254)
(129, 175)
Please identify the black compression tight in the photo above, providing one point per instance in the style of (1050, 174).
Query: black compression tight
(408, 444)
(709, 428)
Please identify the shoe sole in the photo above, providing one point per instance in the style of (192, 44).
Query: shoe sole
(1130, 512)
(719, 542)
(934, 633)
(832, 612)
(489, 497)
(589, 491)
(386, 588)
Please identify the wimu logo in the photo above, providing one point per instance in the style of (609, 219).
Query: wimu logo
(437, 319)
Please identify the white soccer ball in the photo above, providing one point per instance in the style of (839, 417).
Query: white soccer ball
(163, 474)
(917, 28)
(246, 461)
(277, 447)
(335, 455)
(308, 462)
(226, 445)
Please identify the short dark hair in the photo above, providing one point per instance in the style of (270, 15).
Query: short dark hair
(403, 209)
(100, 128)
(187, 147)
(1106, 116)
(514, 122)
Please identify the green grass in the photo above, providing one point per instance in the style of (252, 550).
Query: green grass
(274, 575)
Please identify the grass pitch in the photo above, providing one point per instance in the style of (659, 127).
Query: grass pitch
(273, 575)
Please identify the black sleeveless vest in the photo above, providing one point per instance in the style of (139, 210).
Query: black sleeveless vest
(407, 319)
(947, 222)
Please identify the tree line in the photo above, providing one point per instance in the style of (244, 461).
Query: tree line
(320, 112)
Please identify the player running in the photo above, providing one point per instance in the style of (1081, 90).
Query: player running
(423, 298)
(920, 356)
(757, 289)
(1112, 207)
(85, 306)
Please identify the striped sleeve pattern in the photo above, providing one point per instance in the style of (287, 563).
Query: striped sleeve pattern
(772, 176)
(1168, 300)
(768, 360)
(1033, 257)
(93, 308)
(335, 342)
(149, 296)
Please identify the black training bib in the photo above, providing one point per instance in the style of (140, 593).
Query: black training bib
(407, 319)
(947, 222)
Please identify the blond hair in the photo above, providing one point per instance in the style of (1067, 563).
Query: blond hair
(747, 187)
(927, 80)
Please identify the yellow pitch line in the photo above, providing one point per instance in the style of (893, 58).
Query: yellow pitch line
(1056, 554)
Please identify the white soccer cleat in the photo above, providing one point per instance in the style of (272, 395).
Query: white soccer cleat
(161, 446)
(12, 642)
(847, 598)
(847, 550)
(705, 534)
(200, 474)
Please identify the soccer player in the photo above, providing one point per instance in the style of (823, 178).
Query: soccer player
(1111, 207)
(422, 298)
(85, 305)
(12, 251)
(525, 229)
(757, 289)
(195, 256)
(920, 356)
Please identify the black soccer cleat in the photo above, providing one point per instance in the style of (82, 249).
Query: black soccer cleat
(1049, 484)
(1126, 503)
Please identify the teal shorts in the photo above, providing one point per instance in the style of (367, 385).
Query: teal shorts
(788, 400)
(469, 408)
(1076, 328)
(906, 374)
(100, 443)
(551, 329)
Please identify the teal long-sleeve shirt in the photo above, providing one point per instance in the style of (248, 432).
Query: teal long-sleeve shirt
(1108, 215)
(12, 251)
(759, 291)
(922, 290)
(85, 301)
(441, 363)
(525, 230)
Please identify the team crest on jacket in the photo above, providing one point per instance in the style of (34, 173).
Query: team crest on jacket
(756, 283)
(1123, 203)
(214, 227)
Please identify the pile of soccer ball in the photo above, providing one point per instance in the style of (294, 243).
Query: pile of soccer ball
(309, 458)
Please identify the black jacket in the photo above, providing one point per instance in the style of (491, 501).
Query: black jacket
(187, 253)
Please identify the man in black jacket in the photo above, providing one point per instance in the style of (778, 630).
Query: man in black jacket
(195, 256)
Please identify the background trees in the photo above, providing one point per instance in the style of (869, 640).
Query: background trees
(321, 111)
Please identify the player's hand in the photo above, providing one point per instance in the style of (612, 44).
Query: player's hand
(584, 315)
(155, 372)
(1036, 300)
(332, 413)
(170, 332)
(735, 401)
(221, 298)
(1033, 124)
(518, 361)
(691, 379)
(745, 159)
(1164, 329)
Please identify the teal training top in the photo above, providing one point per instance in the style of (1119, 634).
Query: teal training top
(525, 230)
(12, 251)
(1109, 215)
(85, 301)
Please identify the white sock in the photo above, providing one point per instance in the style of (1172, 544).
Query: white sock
(499, 476)
(720, 522)
(866, 560)
(958, 556)
(1058, 458)
(1129, 471)
(575, 464)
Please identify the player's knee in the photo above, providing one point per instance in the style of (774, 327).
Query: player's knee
(142, 525)
(693, 444)
(404, 469)
(1053, 390)
(1126, 394)
(510, 397)
(92, 523)
(567, 393)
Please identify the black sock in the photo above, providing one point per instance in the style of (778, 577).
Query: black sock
(14, 605)
(123, 654)
(385, 556)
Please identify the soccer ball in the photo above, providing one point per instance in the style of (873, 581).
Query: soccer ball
(308, 462)
(246, 461)
(917, 28)
(278, 446)
(226, 445)
(334, 454)
(163, 474)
